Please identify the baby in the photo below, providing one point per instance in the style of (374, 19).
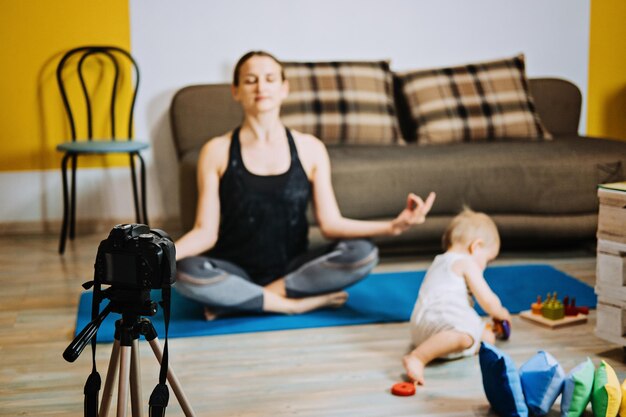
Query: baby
(444, 323)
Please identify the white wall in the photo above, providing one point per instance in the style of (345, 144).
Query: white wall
(178, 43)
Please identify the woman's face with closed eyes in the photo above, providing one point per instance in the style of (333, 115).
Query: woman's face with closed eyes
(260, 86)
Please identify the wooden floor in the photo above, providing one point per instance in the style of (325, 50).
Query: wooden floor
(342, 371)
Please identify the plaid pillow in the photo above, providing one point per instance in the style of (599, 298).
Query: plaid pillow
(342, 102)
(484, 100)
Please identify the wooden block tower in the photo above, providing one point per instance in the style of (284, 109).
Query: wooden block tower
(611, 264)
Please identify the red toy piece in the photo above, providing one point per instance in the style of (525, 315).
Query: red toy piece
(570, 307)
(583, 310)
(403, 389)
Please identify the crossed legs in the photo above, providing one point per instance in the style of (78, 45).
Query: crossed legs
(316, 281)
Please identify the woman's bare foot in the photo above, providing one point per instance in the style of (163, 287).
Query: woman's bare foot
(333, 300)
(337, 299)
(414, 368)
(209, 314)
(276, 303)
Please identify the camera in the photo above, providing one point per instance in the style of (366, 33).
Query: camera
(131, 261)
(135, 257)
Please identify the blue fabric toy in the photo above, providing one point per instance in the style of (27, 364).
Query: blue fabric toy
(542, 382)
(501, 382)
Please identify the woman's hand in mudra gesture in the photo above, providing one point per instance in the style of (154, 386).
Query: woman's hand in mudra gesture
(414, 213)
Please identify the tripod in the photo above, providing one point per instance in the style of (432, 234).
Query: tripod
(125, 357)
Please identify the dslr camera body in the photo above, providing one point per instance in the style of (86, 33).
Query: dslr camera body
(135, 257)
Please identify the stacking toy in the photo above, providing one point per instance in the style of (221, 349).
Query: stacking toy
(583, 310)
(403, 389)
(552, 308)
(536, 306)
(570, 307)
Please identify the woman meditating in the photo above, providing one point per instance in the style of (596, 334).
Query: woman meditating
(248, 249)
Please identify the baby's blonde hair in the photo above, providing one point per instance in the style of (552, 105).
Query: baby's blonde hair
(468, 226)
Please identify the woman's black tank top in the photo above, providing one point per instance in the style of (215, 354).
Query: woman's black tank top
(263, 223)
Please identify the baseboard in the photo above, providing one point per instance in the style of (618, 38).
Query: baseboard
(84, 226)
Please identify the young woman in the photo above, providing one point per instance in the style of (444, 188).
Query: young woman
(248, 249)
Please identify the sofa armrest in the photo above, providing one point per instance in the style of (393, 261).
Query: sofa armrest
(558, 103)
(200, 112)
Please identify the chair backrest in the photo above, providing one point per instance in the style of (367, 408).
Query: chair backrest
(113, 59)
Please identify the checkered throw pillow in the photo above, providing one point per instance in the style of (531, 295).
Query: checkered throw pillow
(342, 102)
(479, 101)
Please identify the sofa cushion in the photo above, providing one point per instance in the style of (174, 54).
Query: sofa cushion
(478, 101)
(506, 177)
(342, 102)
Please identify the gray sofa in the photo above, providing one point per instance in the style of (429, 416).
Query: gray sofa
(538, 192)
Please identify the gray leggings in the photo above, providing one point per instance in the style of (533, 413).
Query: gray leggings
(225, 287)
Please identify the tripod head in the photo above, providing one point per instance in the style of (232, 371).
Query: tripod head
(128, 303)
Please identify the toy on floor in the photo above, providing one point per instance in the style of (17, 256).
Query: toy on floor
(536, 306)
(502, 329)
(552, 308)
(571, 309)
(583, 310)
(554, 313)
(403, 389)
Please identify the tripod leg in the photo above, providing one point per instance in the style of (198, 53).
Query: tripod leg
(107, 392)
(122, 387)
(172, 379)
(135, 380)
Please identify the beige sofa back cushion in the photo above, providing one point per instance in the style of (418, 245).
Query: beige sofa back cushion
(478, 101)
(200, 112)
(342, 102)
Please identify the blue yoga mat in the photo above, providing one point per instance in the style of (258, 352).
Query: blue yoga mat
(379, 298)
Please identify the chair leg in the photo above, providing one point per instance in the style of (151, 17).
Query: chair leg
(73, 196)
(143, 189)
(133, 177)
(65, 204)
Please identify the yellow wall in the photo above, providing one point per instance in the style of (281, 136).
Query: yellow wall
(33, 36)
(606, 115)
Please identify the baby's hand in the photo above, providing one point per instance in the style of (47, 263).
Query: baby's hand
(505, 315)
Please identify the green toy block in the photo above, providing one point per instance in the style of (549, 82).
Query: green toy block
(552, 308)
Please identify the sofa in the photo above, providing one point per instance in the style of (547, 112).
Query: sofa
(539, 192)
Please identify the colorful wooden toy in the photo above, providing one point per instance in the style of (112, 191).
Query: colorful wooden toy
(403, 389)
(570, 307)
(536, 306)
(553, 309)
(554, 313)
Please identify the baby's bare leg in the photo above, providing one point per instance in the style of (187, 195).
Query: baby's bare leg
(437, 346)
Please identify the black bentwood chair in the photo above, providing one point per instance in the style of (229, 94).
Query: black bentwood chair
(117, 66)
